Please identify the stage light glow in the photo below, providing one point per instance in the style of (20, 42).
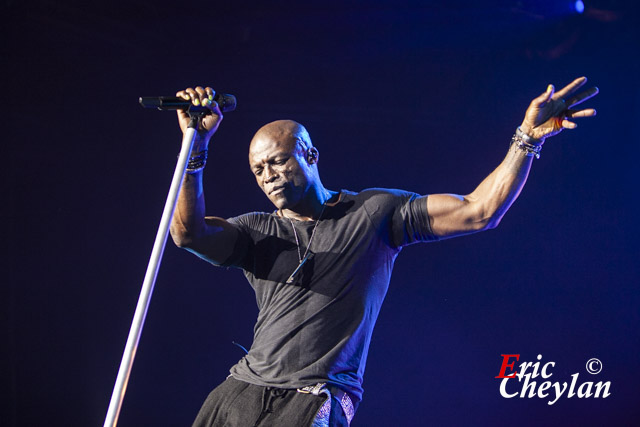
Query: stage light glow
(579, 5)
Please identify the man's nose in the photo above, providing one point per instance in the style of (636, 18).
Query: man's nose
(269, 174)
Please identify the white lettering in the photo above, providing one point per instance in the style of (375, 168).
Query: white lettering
(544, 369)
(503, 389)
(574, 379)
(530, 388)
(523, 369)
(536, 366)
(600, 386)
(559, 392)
(526, 385)
(545, 385)
(585, 393)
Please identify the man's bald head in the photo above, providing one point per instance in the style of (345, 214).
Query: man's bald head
(283, 131)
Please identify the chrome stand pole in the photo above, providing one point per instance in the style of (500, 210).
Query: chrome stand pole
(150, 277)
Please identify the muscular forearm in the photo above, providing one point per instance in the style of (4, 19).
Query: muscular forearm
(188, 224)
(211, 238)
(452, 215)
(493, 197)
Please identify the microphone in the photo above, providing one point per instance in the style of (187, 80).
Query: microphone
(225, 101)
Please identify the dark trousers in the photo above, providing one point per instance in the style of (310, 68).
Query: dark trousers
(239, 404)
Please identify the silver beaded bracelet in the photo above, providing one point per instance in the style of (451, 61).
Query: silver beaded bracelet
(529, 145)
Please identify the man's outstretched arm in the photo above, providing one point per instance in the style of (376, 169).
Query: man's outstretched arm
(548, 114)
(210, 238)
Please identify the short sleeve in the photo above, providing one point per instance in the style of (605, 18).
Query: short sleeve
(242, 249)
(401, 216)
(410, 222)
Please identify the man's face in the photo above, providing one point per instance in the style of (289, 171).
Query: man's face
(281, 169)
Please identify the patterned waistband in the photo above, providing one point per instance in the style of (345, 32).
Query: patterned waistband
(322, 418)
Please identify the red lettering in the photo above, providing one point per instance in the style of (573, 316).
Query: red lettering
(505, 365)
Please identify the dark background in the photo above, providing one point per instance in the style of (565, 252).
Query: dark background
(420, 96)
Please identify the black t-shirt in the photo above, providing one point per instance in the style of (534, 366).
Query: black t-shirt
(318, 328)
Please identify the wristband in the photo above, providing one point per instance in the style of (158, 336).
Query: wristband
(529, 145)
(197, 163)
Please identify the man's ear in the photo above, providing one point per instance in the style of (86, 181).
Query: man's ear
(312, 155)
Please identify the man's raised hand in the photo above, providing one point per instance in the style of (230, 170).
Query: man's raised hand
(209, 123)
(552, 111)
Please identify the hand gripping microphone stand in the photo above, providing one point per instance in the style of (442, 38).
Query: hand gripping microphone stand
(227, 103)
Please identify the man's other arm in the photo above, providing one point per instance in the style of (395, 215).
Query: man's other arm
(210, 238)
(453, 215)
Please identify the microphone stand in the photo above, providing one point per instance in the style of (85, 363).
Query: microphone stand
(152, 271)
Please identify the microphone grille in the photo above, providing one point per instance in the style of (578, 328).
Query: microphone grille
(226, 102)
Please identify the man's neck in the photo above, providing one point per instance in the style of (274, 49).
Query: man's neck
(310, 209)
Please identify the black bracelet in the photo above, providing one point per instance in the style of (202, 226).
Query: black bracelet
(197, 163)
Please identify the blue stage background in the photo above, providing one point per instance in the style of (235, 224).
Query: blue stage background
(412, 95)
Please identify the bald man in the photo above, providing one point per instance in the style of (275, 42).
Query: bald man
(320, 264)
